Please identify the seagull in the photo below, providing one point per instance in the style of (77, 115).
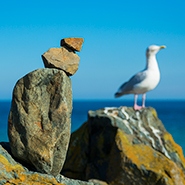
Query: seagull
(144, 81)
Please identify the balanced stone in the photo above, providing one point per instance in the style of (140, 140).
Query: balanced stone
(61, 58)
(40, 119)
(73, 42)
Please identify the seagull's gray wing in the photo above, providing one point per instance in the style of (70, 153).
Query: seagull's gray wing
(136, 79)
(128, 87)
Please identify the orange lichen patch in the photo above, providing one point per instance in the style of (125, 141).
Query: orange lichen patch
(35, 178)
(25, 179)
(176, 148)
(39, 124)
(143, 155)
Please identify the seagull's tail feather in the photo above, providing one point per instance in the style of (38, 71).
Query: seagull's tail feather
(120, 91)
(117, 95)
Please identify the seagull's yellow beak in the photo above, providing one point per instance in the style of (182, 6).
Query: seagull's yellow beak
(162, 47)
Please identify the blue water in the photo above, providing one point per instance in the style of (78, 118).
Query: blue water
(171, 113)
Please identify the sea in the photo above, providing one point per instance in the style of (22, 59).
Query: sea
(171, 113)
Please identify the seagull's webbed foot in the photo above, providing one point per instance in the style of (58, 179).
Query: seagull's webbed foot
(137, 107)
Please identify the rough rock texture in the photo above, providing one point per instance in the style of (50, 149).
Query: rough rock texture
(40, 119)
(125, 147)
(73, 43)
(12, 172)
(61, 58)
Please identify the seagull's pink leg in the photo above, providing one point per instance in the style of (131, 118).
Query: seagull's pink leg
(136, 107)
(144, 97)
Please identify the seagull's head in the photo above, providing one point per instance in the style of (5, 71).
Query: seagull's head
(153, 49)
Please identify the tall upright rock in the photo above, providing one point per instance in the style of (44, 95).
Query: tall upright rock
(125, 147)
(39, 124)
(40, 119)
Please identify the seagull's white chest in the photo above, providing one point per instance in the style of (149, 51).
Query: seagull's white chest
(149, 83)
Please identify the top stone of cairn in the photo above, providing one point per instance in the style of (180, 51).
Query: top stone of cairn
(73, 43)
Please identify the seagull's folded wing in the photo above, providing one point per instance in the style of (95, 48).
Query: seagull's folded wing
(128, 87)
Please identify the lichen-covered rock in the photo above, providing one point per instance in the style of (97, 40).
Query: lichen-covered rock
(12, 172)
(73, 43)
(61, 58)
(40, 119)
(67, 181)
(125, 147)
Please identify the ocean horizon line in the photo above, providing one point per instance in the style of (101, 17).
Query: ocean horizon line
(117, 100)
(112, 100)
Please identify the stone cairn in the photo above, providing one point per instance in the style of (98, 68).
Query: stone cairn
(115, 146)
(64, 57)
(39, 124)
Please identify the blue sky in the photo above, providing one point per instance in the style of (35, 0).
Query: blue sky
(116, 35)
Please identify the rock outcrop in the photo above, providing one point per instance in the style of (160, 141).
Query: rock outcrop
(39, 122)
(125, 147)
(64, 58)
(12, 172)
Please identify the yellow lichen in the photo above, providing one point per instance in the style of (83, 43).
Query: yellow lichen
(176, 148)
(31, 179)
(152, 160)
(21, 177)
(9, 166)
(154, 113)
